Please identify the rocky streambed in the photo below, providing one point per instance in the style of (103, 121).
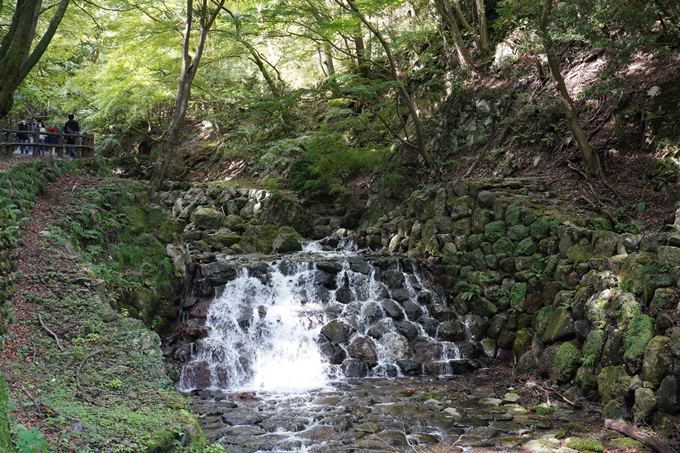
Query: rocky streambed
(478, 412)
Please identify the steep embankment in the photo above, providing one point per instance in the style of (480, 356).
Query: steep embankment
(88, 378)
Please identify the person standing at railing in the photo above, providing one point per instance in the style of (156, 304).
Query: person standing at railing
(32, 138)
(41, 137)
(22, 137)
(52, 139)
(71, 127)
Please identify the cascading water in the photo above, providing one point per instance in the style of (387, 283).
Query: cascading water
(264, 325)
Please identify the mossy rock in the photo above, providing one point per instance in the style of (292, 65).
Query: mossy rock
(640, 332)
(518, 293)
(583, 444)
(461, 227)
(207, 218)
(503, 247)
(136, 219)
(518, 232)
(259, 239)
(220, 241)
(657, 362)
(526, 247)
(566, 362)
(540, 229)
(513, 215)
(664, 299)
(613, 383)
(593, 346)
(286, 243)
(5, 416)
(579, 253)
(586, 382)
(475, 241)
(542, 318)
(521, 343)
(495, 230)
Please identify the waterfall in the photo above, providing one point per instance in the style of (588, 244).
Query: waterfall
(264, 325)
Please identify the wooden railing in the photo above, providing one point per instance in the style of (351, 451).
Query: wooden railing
(83, 146)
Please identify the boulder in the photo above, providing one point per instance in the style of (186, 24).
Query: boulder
(207, 219)
(426, 349)
(657, 361)
(286, 243)
(613, 383)
(281, 210)
(639, 333)
(364, 349)
(645, 405)
(451, 331)
(393, 347)
(259, 239)
(668, 395)
(338, 331)
(560, 327)
(354, 368)
(331, 350)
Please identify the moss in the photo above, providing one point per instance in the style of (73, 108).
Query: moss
(541, 319)
(5, 437)
(640, 332)
(474, 241)
(526, 247)
(495, 230)
(592, 348)
(540, 229)
(582, 444)
(522, 342)
(513, 214)
(566, 362)
(503, 247)
(517, 294)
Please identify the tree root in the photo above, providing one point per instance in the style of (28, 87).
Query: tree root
(54, 335)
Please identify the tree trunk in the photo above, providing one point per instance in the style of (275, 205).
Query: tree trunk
(16, 58)
(451, 24)
(591, 162)
(186, 78)
(484, 41)
(362, 61)
(420, 134)
(328, 59)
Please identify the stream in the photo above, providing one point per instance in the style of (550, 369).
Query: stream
(336, 352)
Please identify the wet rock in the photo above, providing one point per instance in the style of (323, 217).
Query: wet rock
(430, 325)
(413, 310)
(338, 331)
(394, 346)
(476, 326)
(489, 347)
(364, 349)
(354, 368)
(325, 280)
(392, 309)
(360, 265)
(426, 349)
(218, 272)
(393, 278)
(194, 329)
(407, 329)
(451, 331)
(196, 375)
(286, 243)
(332, 351)
(410, 367)
(380, 328)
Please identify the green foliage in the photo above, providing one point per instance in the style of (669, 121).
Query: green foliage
(28, 441)
(5, 418)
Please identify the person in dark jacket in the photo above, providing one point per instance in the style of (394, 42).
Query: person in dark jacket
(71, 127)
(22, 137)
(52, 139)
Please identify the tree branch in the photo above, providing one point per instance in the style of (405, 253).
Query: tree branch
(54, 335)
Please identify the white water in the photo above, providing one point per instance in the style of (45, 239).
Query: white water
(262, 332)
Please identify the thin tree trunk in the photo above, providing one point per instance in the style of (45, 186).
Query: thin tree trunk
(591, 162)
(484, 42)
(420, 133)
(328, 59)
(450, 21)
(362, 61)
(186, 78)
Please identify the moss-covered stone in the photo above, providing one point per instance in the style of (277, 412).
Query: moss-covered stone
(495, 230)
(542, 318)
(207, 218)
(586, 382)
(560, 327)
(518, 232)
(593, 346)
(645, 404)
(613, 383)
(640, 332)
(513, 214)
(475, 241)
(521, 343)
(136, 219)
(657, 361)
(461, 227)
(220, 241)
(664, 299)
(5, 416)
(518, 293)
(526, 247)
(566, 362)
(259, 239)
(503, 247)
(579, 253)
(584, 444)
(540, 229)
